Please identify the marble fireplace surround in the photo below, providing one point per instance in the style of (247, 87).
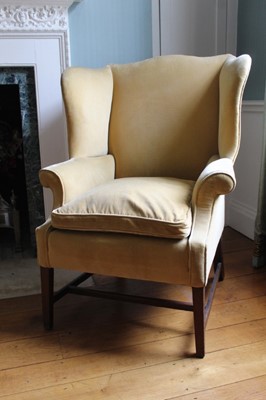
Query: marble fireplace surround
(34, 45)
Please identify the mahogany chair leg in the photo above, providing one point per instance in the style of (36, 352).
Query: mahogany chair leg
(47, 285)
(199, 320)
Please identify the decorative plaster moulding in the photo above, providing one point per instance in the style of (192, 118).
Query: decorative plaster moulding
(41, 15)
(38, 3)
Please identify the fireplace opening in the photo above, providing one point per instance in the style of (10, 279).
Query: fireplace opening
(21, 196)
(14, 218)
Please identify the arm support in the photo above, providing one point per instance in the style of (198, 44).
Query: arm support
(216, 179)
(71, 178)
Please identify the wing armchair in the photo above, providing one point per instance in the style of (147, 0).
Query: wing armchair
(151, 152)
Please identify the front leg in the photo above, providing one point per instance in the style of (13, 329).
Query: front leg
(47, 286)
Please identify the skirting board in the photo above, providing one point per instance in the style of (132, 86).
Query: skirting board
(241, 217)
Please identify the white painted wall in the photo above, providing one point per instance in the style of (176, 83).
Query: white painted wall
(189, 27)
(194, 27)
(242, 203)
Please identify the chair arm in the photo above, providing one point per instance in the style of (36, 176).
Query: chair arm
(216, 179)
(73, 177)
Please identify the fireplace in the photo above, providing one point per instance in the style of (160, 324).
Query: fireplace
(21, 193)
(34, 51)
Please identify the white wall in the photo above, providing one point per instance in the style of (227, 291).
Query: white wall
(242, 203)
(194, 27)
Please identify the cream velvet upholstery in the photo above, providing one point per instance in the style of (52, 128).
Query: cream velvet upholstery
(159, 207)
(152, 147)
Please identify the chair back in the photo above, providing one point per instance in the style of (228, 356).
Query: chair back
(165, 116)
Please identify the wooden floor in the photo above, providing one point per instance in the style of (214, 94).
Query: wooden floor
(103, 349)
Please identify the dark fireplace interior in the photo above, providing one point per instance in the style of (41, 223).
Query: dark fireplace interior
(21, 196)
(14, 218)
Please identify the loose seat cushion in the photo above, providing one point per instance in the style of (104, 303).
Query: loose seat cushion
(142, 206)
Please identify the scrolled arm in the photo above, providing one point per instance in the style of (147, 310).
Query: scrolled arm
(73, 177)
(216, 180)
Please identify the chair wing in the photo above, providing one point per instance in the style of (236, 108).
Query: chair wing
(88, 99)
